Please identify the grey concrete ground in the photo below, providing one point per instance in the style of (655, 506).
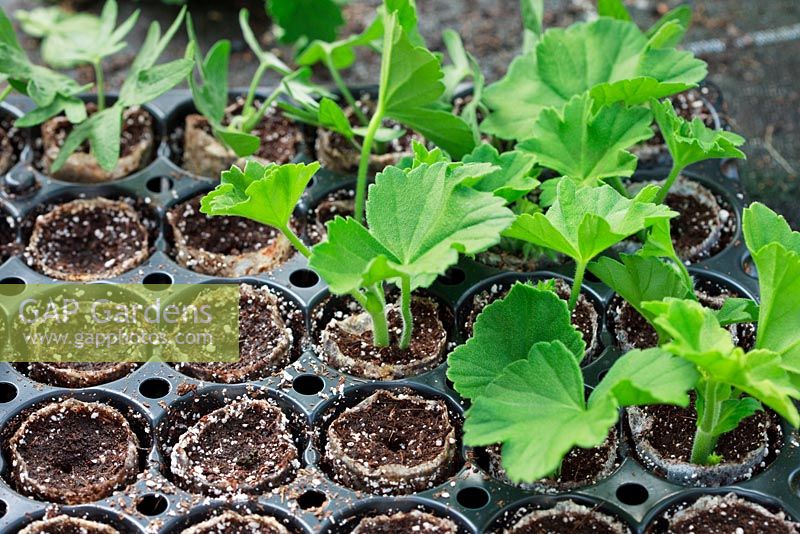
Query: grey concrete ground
(756, 68)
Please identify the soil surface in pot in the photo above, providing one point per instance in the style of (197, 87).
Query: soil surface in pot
(338, 203)
(672, 431)
(718, 514)
(63, 524)
(567, 517)
(77, 375)
(224, 246)
(347, 344)
(270, 335)
(338, 154)
(580, 468)
(697, 221)
(632, 331)
(234, 523)
(280, 139)
(393, 442)
(73, 452)
(243, 447)
(585, 317)
(88, 239)
(706, 221)
(412, 521)
(136, 149)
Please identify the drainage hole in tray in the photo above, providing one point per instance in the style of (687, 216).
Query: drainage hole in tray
(632, 494)
(157, 279)
(154, 388)
(3, 508)
(304, 278)
(11, 286)
(453, 277)
(311, 499)
(8, 392)
(161, 184)
(308, 384)
(152, 504)
(473, 498)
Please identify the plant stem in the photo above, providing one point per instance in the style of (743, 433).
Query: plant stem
(363, 166)
(405, 308)
(673, 175)
(704, 439)
(376, 308)
(5, 93)
(616, 183)
(101, 91)
(348, 96)
(298, 244)
(252, 122)
(580, 270)
(251, 92)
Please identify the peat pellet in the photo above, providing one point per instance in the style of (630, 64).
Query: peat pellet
(265, 340)
(579, 468)
(584, 317)
(347, 344)
(727, 514)
(87, 240)
(703, 225)
(78, 375)
(243, 447)
(411, 521)
(235, 523)
(663, 437)
(392, 443)
(136, 148)
(204, 155)
(567, 517)
(338, 154)
(224, 246)
(73, 452)
(63, 524)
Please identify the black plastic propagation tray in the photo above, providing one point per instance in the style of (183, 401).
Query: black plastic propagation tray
(309, 389)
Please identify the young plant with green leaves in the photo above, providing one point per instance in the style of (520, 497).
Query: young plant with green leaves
(410, 89)
(51, 92)
(655, 272)
(521, 371)
(691, 142)
(88, 44)
(611, 59)
(419, 221)
(54, 93)
(60, 32)
(146, 80)
(210, 89)
(585, 221)
(734, 383)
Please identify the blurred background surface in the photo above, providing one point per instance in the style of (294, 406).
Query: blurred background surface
(752, 49)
